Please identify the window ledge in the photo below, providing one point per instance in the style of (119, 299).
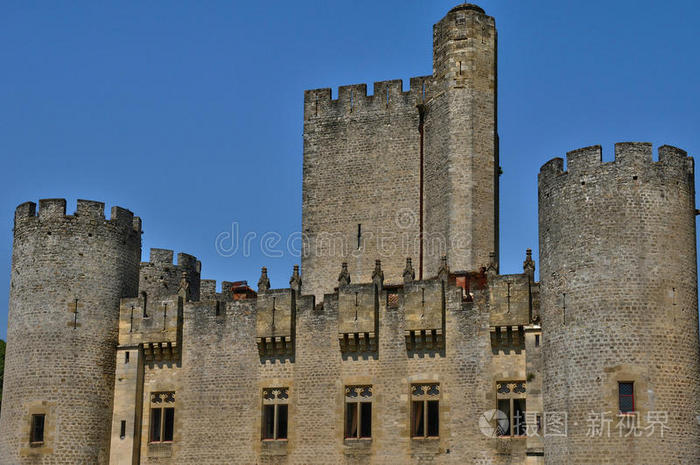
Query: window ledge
(273, 447)
(36, 444)
(359, 446)
(160, 449)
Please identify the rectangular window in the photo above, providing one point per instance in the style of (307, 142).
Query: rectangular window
(122, 430)
(511, 402)
(358, 412)
(275, 414)
(162, 426)
(168, 424)
(155, 424)
(425, 410)
(37, 434)
(504, 426)
(626, 397)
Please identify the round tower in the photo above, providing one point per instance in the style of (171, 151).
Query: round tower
(620, 307)
(460, 156)
(68, 274)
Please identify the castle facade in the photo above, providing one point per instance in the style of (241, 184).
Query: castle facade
(398, 341)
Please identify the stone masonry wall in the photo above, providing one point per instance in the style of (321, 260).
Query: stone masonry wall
(361, 167)
(223, 375)
(461, 151)
(619, 303)
(68, 274)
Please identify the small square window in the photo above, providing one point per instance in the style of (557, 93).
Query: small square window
(626, 397)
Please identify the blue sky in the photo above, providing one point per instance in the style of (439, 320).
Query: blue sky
(190, 113)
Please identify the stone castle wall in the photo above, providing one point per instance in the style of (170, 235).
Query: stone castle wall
(413, 174)
(68, 274)
(96, 340)
(619, 301)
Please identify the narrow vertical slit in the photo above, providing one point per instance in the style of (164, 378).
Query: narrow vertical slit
(564, 306)
(359, 236)
(356, 306)
(274, 301)
(75, 315)
(131, 322)
(165, 316)
(508, 296)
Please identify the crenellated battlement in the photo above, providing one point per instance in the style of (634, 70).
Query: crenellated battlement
(357, 308)
(632, 157)
(160, 277)
(87, 211)
(353, 99)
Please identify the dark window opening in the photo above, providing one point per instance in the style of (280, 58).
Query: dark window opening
(268, 422)
(168, 424)
(537, 340)
(37, 435)
(162, 424)
(366, 420)
(425, 411)
(359, 236)
(513, 422)
(126, 358)
(519, 417)
(275, 416)
(626, 397)
(122, 430)
(358, 420)
(155, 424)
(282, 413)
(145, 304)
(417, 423)
(426, 419)
(503, 428)
(433, 418)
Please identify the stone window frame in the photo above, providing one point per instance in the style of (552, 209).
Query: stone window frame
(274, 397)
(364, 396)
(161, 400)
(425, 393)
(46, 447)
(512, 390)
(639, 376)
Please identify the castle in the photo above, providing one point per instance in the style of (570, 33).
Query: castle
(398, 341)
